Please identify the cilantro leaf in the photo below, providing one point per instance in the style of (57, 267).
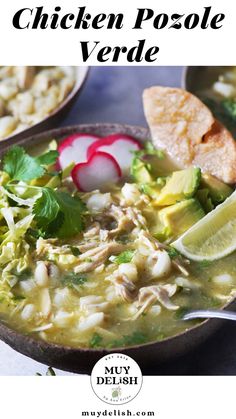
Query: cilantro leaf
(20, 166)
(72, 208)
(70, 279)
(55, 225)
(75, 251)
(136, 338)
(58, 214)
(204, 263)
(46, 208)
(48, 158)
(23, 275)
(50, 372)
(173, 253)
(33, 234)
(124, 257)
(95, 341)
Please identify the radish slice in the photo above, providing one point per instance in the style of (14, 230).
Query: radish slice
(120, 146)
(99, 171)
(74, 149)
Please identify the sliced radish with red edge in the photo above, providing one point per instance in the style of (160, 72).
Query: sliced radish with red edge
(120, 146)
(74, 149)
(99, 171)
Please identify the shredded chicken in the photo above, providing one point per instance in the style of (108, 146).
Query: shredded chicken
(154, 244)
(93, 230)
(149, 295)
(180, 266)
(98, 256)
(136, 217)
(125, 288)
(126, 218)
(44, 246)
(151, 242)
(104, 235)
(124, 223)
(92, 252)
(87, 246)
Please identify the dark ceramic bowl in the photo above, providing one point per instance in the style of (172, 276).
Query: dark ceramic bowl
(149, 355)
(57, 115)
(196, 78)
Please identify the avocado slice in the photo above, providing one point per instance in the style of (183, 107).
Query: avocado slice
(158, 229)
(179, 217)
(204, 197)
(181, 185)
(140, 172)
(151, 189)
(218, 190)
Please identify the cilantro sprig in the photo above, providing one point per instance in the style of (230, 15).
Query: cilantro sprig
(72, 278)
(124, 257)
(59, 214)
(21, 166)
(48, 158)
(56, 213)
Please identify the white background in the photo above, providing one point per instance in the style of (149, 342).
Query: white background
(178, 397)
(168, 397)
(177, 47)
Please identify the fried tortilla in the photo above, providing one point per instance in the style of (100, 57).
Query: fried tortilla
(185, 128)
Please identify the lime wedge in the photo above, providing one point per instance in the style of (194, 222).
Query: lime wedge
(214, 236)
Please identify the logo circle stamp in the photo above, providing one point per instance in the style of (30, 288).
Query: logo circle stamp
(116, 379)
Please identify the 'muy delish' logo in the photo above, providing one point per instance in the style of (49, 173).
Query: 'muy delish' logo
(116, 379)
